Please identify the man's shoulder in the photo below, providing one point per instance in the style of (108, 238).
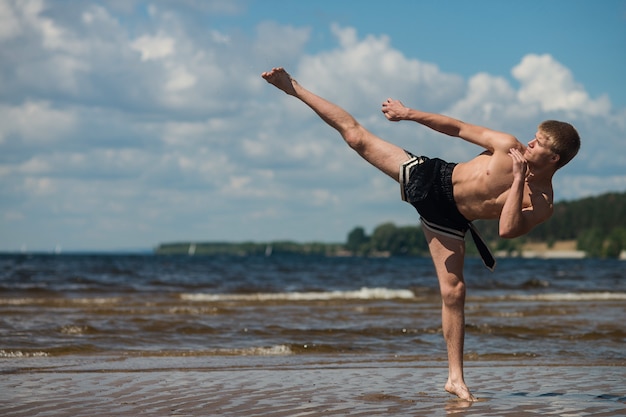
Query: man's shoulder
(508, 142)
(501, 141)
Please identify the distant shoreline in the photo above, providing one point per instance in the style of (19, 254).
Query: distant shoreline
(565, 249)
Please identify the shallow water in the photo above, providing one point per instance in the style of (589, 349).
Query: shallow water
(304, 386)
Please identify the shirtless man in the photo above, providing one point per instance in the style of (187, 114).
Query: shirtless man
(508, 181)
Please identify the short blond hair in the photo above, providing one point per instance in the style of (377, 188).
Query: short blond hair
(563, 138)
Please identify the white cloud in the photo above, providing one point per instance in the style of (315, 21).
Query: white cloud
(219, 38)
(278, 44)
(323, 197)
(362, 73)
(35, 122)
(37, 165)
(180, 79)
(546, 82)
(31, 17)
(40, 187)
(154, 47)
(10, 25)
(182, 133)
(488, 100)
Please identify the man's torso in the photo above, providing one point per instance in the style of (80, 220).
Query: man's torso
(482, 185)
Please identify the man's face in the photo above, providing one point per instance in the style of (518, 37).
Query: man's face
(538, 149)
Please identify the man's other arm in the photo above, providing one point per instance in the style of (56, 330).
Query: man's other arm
(515, 219)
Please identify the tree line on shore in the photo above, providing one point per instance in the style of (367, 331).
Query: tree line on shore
(597, 224)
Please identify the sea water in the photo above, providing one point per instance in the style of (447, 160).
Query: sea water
(82, 306)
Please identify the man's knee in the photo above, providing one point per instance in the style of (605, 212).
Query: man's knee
(453, 292)
(355, 136)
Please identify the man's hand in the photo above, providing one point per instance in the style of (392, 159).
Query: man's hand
(520, 165)
(394, 110)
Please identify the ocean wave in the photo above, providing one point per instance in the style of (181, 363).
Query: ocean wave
(74, 330)
(59, 301)
(394, 294)
(276, 350)
(20, 354)
(569, 296)
(362, 294)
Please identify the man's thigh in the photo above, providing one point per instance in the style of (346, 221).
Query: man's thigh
(384, 155)
(448, 255)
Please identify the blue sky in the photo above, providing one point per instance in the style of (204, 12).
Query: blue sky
(128, 123)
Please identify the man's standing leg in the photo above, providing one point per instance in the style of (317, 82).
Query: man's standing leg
(448, 256)
(383, 155)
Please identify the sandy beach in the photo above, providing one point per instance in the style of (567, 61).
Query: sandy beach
(283, 387)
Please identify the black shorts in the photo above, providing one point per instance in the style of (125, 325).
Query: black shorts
(426, 184)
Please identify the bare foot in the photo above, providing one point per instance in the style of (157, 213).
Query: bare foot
(460, 390)
(281, 79)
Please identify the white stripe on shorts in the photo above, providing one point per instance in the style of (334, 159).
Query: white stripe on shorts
(405, 171)
(442, 230)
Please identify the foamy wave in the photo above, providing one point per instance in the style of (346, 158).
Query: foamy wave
(96, 300)
(589, 296)
(362, 294)
(278, 350)
(20, 301)
(70, 329)
(60, 301)
(19, 354)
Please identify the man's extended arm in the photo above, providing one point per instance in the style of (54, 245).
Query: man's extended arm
(489, 139)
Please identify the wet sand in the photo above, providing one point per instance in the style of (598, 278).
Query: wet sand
(288, 387)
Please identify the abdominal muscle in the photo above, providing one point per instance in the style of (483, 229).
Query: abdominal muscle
(481, 185)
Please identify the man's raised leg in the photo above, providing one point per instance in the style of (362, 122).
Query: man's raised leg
(383, 155)
(448, 256)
